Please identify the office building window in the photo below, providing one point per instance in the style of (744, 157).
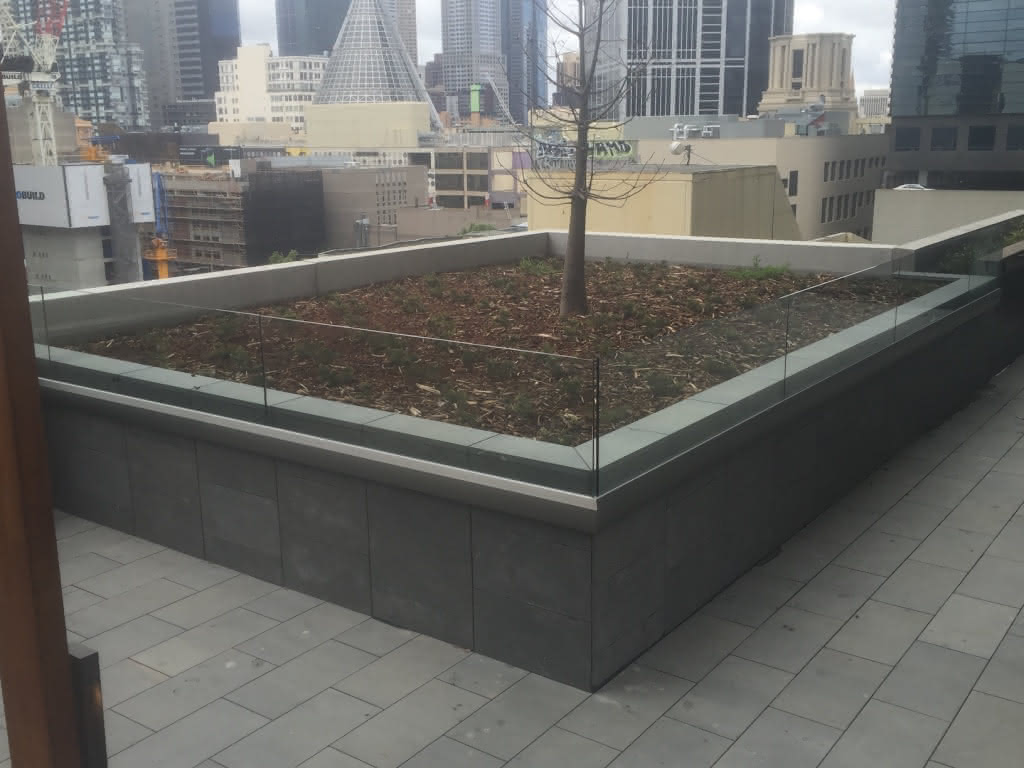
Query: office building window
(825, 174)
(792, 182)
(907, 139)
(824, 209)
(793, 206)
(981, 138)
(832, 170)
(943, 138)
(1015, 137)
(831, 208)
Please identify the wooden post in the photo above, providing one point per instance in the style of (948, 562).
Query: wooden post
(34, 664)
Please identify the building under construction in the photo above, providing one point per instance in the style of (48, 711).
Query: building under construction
(205, 220)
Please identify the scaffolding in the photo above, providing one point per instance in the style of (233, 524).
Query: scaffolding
(205, 222)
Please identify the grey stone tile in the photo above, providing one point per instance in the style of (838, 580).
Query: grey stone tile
(836, 592)
(85, 566)
(969, 625)
(192, 740)
(195, 646)
(671, 743)
(306, 631)
(1018, 626)
(940, 491)
(300, 734)
(190, 691)
(131, 638)
(952, 547)
(693, 648)
(241, 530)
(558, 747)
(832, 688)
(1000, 490)
(76, 599)
(125, 679)
(789, 639)
(880, 632)
(199, 574)
(625, 707)
(1004, 675)
(90, 541)
(886, 735)
(121, 732)
(118, 610)
(780, 739)
(920, 586)
(996, 580)
(911, 519)
(987, 733)
(300, 679)
(448, 753)
(404, 729)
(965, 466)
(130, 548)
(982, 517)
(731, 697)
(482, 675)
(991, 443)
(1010, 542)
(376, 637)
(802, 557)
(142, 571)
(514, 719)
(211, 603)
(332, 758)
(69, 525)
(877, 552)
(4, 749)
(282, 604)
(931, 680)
(402, 671)
(753, 598)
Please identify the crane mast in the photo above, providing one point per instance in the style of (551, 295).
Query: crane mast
(41, 82)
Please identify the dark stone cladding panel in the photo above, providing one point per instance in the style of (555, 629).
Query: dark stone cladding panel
(325, 547)
(551, 644)
(420, 563)
(532, 562)
(164, 479)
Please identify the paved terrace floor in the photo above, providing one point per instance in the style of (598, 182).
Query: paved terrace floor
(887, 634)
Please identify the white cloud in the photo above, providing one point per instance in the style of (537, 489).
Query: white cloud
(870, 20)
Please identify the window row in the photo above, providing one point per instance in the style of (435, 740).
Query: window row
(838, 170)
(946, 138)
(841, 207)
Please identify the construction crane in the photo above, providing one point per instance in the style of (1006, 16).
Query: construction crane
(41, 82)
(158, 253)
(501, 101)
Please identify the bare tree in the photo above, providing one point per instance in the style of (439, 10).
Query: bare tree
(568, 164)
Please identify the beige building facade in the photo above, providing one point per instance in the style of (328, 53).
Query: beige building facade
(807, 69)
(747, 202)
(830, 181)
(373, 194)
(384, 125)
(258, 87)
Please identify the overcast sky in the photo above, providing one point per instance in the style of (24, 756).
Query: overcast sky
(870, 20)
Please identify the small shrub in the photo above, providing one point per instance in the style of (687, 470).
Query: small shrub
(572, 388)
(538, 267)
(399, 356)
(523, 407)
(661, 385)
(757, 272)
(500, 370)
(412, 305)
(721, 368)
(474, 228)
(441, 326)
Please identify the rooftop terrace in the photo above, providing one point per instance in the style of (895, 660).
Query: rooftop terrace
(888, 632)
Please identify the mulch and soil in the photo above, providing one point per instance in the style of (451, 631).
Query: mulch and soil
(662, 333)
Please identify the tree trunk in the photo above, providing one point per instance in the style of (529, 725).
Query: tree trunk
(574, 286)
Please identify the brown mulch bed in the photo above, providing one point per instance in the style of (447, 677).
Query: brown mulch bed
(662, 333)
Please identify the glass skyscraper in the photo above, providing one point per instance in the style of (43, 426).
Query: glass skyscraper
(524, 38)
(958, 94)
(692, 57)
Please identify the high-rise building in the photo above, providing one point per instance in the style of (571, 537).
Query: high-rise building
(524, 37)
(182, 43)
(567, 76)
(472, 43)
(806, 69)
(433, 73)
(689, 57)
(875, 102)
(958, 94)
(310, 27)
(260, 87)
(102, 73)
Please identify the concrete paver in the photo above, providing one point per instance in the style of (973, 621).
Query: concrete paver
(889, 632)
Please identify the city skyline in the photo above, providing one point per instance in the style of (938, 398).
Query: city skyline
(871, 21)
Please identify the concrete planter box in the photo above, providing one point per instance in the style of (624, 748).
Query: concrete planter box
(500, 544)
